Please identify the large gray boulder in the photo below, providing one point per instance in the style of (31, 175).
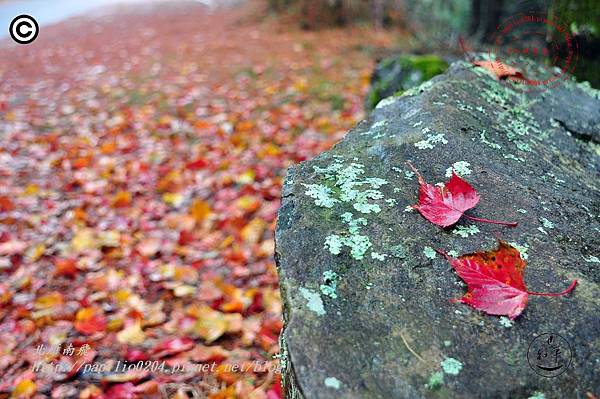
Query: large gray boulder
(366, 300)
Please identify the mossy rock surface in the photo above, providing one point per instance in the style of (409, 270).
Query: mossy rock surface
(394, 75)
(534, 158)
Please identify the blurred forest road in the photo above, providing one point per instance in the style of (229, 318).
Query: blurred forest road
(142, 152)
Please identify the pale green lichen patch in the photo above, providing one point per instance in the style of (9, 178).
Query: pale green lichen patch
(429, 252)
(506, 322)
(399, 251)
(376, 129)
(513, 157)
(357, 243)
(546, 223)
(522, 249)
(490, 144)
(431, 140)
(451, 366)
(385, 102)
(333, 382)
(523, 211)
(436, 380)
(323, 195)
(591, 259)
(461, 168)
(408, 174)
(453, 254)
(416, 90)
(347, 179)
(589, 90)
(334, 243)
(378, 256)
(465, 231)
(538, 394)
(330, 282)
(313, 301)
(409, 208)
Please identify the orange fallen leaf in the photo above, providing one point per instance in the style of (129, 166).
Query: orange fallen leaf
(122, 199)
(500, 70)
(200, 210)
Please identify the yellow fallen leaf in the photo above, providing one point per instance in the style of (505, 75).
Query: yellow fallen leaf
(133, 334)
(110, 238)
(83, 239)
(248, 203)
(49, 301)
(246, 177)
(253, 231)
(184, 290)
(173, 199)
(211, 324)
(24, 389)
(31, 189)
(35, 252)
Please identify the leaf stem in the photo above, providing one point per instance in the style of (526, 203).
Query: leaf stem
(509, 224)
(565, 292)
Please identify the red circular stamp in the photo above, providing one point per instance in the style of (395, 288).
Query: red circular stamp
(527, 37)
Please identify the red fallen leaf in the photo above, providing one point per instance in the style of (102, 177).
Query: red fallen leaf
(6, 204)
(173, 346)
(90, 320)
(197, 164)
(121, 391)
(134, 355)
(501, 70)
(445, 205)
(495, 280)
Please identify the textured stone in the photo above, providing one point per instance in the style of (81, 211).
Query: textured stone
(390, 331)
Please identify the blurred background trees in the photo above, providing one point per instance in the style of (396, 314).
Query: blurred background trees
(438, 24)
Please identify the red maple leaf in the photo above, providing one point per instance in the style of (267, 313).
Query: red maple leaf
(495, 280)
(445, 205)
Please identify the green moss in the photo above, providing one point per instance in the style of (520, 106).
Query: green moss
(436, 380)
(395, 75)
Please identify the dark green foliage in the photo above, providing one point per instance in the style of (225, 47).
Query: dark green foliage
(395, 74)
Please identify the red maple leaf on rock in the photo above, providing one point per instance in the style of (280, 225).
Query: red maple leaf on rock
(495, 280)
(445, 205)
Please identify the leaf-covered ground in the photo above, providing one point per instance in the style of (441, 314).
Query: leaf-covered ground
(141, 159)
